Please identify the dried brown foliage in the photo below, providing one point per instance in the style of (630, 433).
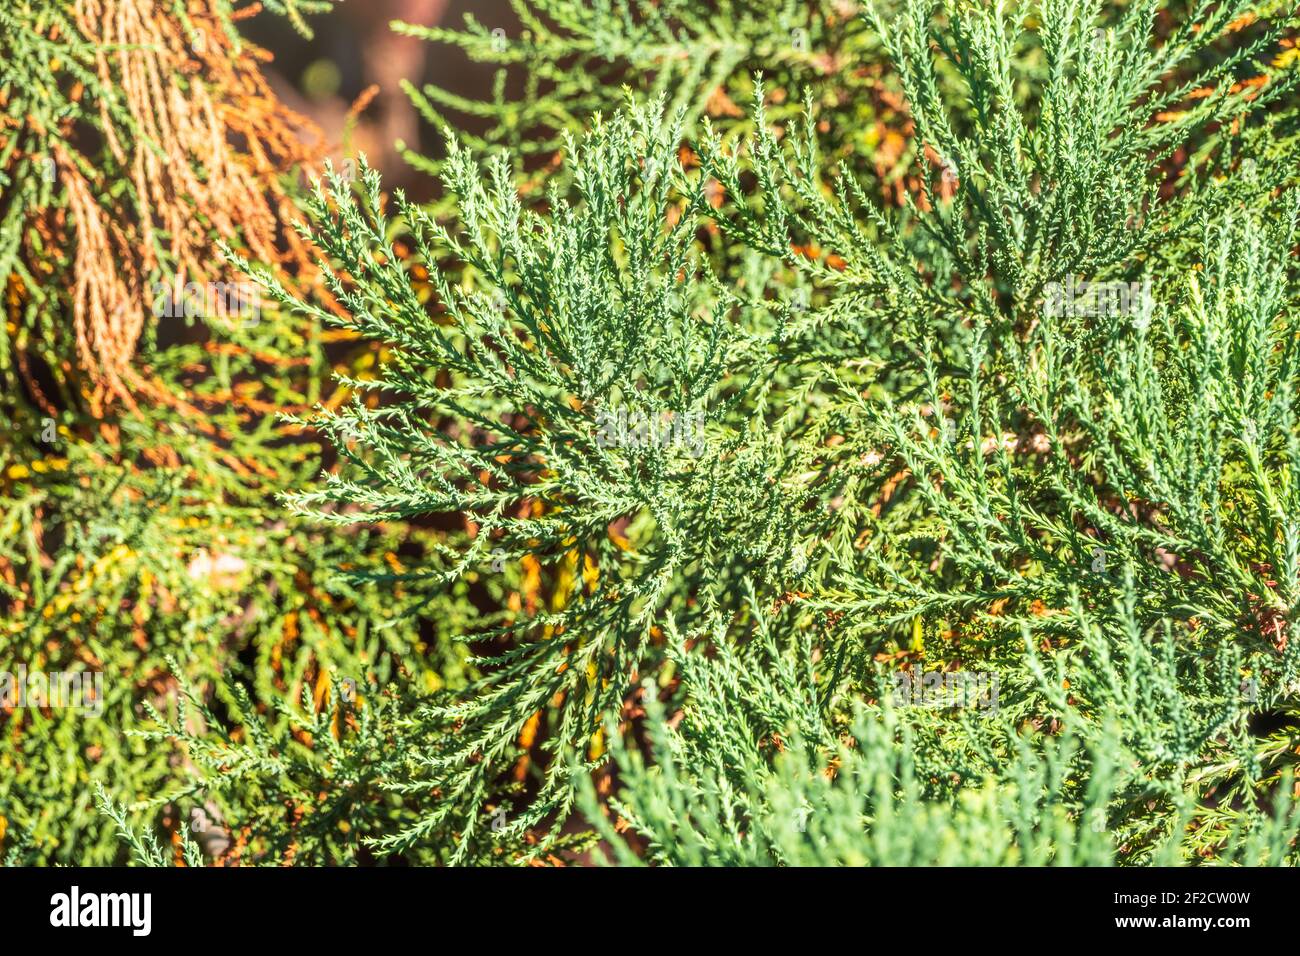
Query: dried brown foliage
(204, 147)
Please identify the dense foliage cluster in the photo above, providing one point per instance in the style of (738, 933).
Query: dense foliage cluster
(797, 433)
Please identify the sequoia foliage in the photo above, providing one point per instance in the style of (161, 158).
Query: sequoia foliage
(796, 434)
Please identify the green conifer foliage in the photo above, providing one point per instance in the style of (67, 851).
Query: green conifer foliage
(770, 444)
(797, 434)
